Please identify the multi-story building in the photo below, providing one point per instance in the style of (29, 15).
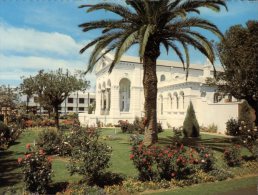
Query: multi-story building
(78, 102)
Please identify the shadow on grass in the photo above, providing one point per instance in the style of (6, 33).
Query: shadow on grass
(217, 144)
(58, 187)
(9, 169)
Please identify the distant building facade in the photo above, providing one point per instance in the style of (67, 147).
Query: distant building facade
(77, 102)
(120, 96)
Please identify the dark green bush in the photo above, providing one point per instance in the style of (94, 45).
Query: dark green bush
(232, 126)
(191, 126)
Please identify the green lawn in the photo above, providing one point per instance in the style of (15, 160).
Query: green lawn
(120, 162)
(248, 185)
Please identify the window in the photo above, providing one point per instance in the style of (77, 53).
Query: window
(92, 100)
(81, 100)
(81, 108)
(70, 108)
(70, 100)
(162, 78)
(36, 99)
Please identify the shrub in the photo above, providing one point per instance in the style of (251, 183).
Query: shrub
(135, 139)
(37, 169)
(220, 174)
(89, 157)
(126, 127)
(248, 136)
(169, 162)
(190, 125)
(50, 141)
(232, 155)
(176, 163)
(207, 160)
(232, 127)
(8, 135)
(5, 135)
(212, 128)
(143, 160)
(139, 125)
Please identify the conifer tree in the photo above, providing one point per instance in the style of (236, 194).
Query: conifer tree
(191, 127)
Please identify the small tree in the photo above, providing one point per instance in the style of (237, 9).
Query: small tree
(191, 127)
(54, 87)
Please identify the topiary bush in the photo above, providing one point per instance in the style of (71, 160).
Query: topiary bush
(191, 126)
(89, 157)
(50, 140)
(37, 170)
(232, 126)
(232, 155)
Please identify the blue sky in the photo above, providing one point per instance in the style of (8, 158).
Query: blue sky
(38, 34)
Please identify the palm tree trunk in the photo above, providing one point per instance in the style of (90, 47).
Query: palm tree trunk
(150, 93)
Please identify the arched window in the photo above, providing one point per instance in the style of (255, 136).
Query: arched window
(124, 95)
(162, 78)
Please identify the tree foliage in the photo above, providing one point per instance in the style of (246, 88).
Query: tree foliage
(238, 53)
(54, 87)
(8, 96)
(151, 24)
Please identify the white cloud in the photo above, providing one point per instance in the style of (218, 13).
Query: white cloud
(25, 51)
(27, 40)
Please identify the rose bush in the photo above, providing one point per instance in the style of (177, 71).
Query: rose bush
(37, 170)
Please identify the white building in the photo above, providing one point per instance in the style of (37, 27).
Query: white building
(119, 95)
(76, 102)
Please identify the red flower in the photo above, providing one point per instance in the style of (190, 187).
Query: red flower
(27, 156)
(49, 159)
(131, 156)
(169, 155)
(19, 160)
(206, 155)
(173, 174)
(28, 146)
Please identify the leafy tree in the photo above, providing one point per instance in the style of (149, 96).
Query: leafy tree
(191, 126)
(54, 87)
(8, 96)
(151, 24)
(238, 53)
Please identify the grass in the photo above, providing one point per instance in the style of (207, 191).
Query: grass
(120, 163)
(236, 186)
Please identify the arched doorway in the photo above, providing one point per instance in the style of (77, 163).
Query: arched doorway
(124, 95)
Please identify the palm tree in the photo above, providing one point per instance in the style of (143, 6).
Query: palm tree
(151, 24)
